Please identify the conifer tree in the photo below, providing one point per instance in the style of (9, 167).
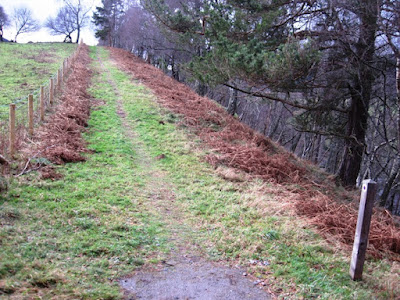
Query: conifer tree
(107, 19)
(322, 50)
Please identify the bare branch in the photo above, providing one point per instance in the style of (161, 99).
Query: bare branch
(24, 21)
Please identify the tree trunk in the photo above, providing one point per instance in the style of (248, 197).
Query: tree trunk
(394, 173)
(316, 150)
(276, 117)
(396, 200)
(201, 88)
(78, 34)
(360, 90)
(398, 100)
(233, 99)
(295, 142)
(354, 145)
(175, 70)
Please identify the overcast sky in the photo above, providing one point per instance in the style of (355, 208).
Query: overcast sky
(42, 9)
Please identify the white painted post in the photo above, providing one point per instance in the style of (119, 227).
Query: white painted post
(367, 199)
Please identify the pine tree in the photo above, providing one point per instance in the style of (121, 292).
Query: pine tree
(321, 49)
(107, 18)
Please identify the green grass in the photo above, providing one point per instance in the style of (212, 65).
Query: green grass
(75, 237)
(24, 67)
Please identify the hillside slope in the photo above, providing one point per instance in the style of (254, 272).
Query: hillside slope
(24, 67)
(237, 146)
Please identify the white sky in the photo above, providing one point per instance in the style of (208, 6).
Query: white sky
(42, 9)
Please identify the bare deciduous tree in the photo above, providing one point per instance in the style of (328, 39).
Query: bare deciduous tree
(79, 13)
(24, 21)
(63, 23)
(3, 22)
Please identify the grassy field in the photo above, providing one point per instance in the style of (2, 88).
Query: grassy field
(74, 238)
(24, 67)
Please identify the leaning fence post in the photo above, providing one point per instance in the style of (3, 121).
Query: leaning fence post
(367, 199)
(30, 114)
(12, 129)
(41, 103)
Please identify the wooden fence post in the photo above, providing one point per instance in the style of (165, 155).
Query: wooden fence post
(58, 79)
(51, 91)
(367, 199)
(30, 114)
(12, 129)
(41, 103)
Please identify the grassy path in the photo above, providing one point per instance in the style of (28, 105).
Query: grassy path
(144, 196)
(159, 191)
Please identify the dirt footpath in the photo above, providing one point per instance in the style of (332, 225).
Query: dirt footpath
(192, 278)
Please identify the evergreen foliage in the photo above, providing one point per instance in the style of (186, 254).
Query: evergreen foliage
(321, 50)
(106, 18)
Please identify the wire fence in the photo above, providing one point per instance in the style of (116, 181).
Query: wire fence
(19, 119)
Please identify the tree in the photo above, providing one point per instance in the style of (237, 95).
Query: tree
(108, 19)
(140, 34)
(3, 22)
(64, 23)
(78, 15)
(321, 49)
(390, 29)
(24, 21)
